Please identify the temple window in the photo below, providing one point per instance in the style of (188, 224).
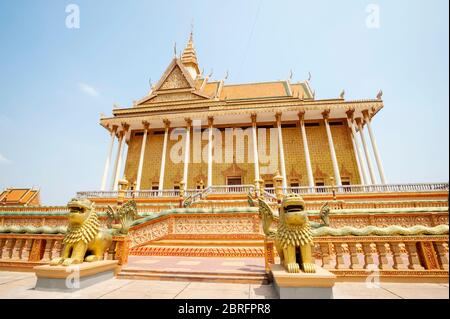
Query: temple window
(235, 180)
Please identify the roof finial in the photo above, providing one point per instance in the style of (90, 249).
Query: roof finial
(226, 75)
(192, 29)
(175, 49)
(309, 76)
(379, 95)
(342, 94)
(290, 74)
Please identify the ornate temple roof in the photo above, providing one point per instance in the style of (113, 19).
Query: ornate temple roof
(19, 197)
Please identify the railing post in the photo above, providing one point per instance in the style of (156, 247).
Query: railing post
(340, 263)
(27, 250)
(17, 249)
(7, 248)
(397, 256)
(48, 250)
(442, 255)
(413, 257)
(383, 262)
(354, 259)
(325, 252)
(368, 255)
(2, 244)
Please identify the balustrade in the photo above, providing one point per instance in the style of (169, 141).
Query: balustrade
(33, 249)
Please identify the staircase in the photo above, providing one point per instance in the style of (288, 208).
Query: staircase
(201, 248)
(222, 277)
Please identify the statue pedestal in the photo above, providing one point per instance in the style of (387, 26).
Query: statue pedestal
(72, 278)
(318, 285)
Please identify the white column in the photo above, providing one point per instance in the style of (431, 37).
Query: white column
(366, 151)
(309, 172)
(374, 147)
(118, 161)
(108, 158)
(163, 156)
(255, 147)
(141, 157)
(281, 150)
(210, 148)
(337, 174)
(187, 150)
(356, 149)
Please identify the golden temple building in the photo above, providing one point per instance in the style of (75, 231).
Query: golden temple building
(227, 128)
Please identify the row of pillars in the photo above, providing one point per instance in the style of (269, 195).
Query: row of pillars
(352, 123)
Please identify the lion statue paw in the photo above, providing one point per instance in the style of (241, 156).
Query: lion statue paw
(293, 268)
(309, 268)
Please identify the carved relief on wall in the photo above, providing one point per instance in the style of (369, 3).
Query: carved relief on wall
(213, 225)
(180, 96)
(149, 232)
(175, 80)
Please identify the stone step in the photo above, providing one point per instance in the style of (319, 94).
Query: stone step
(223, 277)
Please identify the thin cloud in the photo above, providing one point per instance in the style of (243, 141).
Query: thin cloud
(88, 89)
(4, 160)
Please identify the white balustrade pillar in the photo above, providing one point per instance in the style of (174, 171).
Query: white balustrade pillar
(163, 156)
(281, 150)
(108, 158)
(374, 147)
(187, 150)
(122, 136)
(210, 149)
(141, 157)
(356, 149)
(309, 171)
(337, 174)
(366, 151)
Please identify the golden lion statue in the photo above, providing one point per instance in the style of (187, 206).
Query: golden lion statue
(84, 240)
(293, 238)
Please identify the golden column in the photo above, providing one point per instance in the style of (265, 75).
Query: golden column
(187, 150)
(255, 151)
(281, 150)
(210, 148)
(301, 117)
(163, 155)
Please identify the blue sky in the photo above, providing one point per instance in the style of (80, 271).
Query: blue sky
(56, 81)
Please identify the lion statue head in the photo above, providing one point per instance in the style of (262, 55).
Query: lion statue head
(80, 210)
(292, 210)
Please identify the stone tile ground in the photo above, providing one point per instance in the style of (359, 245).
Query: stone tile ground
(21, 285)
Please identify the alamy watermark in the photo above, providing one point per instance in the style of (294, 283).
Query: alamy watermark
(373, 17)
(73, 16)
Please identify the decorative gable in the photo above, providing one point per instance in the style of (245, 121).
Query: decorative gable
(175, 80)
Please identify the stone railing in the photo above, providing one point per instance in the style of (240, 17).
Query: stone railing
(24, 251)
(386, 188)
(424, 258)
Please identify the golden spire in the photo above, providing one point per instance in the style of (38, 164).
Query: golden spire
(189, 56)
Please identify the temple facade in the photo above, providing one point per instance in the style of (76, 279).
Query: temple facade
(193, 132)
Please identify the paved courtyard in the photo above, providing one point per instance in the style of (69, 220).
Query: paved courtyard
(21, 285)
